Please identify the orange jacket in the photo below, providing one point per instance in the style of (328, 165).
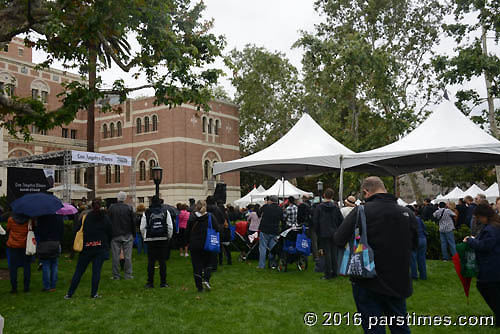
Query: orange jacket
(17, 234)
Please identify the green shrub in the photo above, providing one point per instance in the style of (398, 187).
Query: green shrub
(434, 242)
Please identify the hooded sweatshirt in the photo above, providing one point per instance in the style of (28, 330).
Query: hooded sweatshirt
(17, 226)
(327, 218)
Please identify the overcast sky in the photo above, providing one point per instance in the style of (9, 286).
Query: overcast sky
(273, 24)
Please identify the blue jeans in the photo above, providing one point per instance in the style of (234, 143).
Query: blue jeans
(18, 258)
(447, 239)
(371, 304)
(84, 259)
(266, 241)
(418, 259)
(49, 273)
(142, 247)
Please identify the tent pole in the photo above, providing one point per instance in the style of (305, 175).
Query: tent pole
(341, 187)
(283, 180)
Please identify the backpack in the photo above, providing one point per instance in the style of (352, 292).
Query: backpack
(157, 224)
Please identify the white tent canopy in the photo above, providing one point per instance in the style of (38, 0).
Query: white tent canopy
(492, 192)
(72, 187)
(305, 149)
(250, 197)
(290, 190)
(447, 137)
(473, 191)
(453, 195)
(401, 202)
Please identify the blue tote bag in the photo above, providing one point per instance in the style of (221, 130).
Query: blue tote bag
(303, 243)
(358, 258)
(212, 242)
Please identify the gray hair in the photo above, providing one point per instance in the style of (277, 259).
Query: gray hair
(121, 196)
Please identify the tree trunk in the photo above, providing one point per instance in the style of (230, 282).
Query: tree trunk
(491, 105)
(91, 119)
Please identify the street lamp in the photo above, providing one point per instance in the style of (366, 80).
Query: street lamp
(320, 189)
(157, 175)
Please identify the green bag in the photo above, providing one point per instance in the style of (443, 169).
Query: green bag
(468, 260)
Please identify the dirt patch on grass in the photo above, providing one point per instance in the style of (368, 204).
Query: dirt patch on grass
(4, 274)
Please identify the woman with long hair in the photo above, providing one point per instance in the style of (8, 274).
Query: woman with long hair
(18, 226)
(97, 235)
(487, 248)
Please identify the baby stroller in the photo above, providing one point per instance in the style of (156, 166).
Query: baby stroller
(286, 252)
(246, 245)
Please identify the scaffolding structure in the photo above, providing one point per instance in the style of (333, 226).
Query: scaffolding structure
(65, 161)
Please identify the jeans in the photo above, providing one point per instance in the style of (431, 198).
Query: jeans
(97, 259)
(491, 295)
(142, 247)
(371, 304)
(224, 249)
(330, 253)
(266, 241)
(447, 239)
(418, 259)
(49, 274)
(201, 267)
(125, 242)
(18, 258)
(157, 251)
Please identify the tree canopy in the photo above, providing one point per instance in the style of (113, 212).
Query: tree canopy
(174, 49)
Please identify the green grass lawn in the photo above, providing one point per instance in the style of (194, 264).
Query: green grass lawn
(243, 300)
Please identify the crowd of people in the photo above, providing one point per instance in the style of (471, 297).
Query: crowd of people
(396, 234)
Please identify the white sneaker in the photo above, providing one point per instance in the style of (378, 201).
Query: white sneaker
(206, 285)
(186, 255)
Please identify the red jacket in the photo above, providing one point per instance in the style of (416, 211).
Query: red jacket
(17, 233)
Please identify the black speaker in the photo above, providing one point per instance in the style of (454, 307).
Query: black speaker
(220, 192)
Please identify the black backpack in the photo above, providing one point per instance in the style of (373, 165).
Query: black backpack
(156, 224)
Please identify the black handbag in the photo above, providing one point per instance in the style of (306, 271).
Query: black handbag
(48, 249)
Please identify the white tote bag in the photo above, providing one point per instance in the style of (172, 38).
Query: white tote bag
(30, 241)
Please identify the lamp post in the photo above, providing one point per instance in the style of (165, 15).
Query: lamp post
(157, 175)
(320, 189)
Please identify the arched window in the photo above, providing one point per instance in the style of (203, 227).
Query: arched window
(210, 123)
(152, 164)
(119, 129)
(138, 126)
(105, 131)
(112, 130)
(155, 123)
(204, 122)
(206, 170)
(40, 91)
(108, 174)
(146, 124)
(142, 171)
(7, 84)
(217, 124)
(117, 174)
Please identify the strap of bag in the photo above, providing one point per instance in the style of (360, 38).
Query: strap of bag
(442, 214)
(362, 216)
(30, 228)
(209, 220)
(83, 222)
(303, 229)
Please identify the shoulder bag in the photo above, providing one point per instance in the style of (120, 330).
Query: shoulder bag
(78, 243)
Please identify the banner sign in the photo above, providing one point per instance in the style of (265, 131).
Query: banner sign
(105, 159)
(21, 181)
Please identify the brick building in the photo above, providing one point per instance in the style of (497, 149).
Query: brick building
(183, 141)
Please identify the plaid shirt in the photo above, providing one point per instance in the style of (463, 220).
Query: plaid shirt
(291, 215)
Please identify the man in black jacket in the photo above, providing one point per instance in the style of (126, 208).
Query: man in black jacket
(123, 224)
(428, 210)
(269, 227)
(217, 223)
(327, 218)
(392, 234)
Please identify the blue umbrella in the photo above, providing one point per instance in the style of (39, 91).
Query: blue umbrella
(36, 204)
